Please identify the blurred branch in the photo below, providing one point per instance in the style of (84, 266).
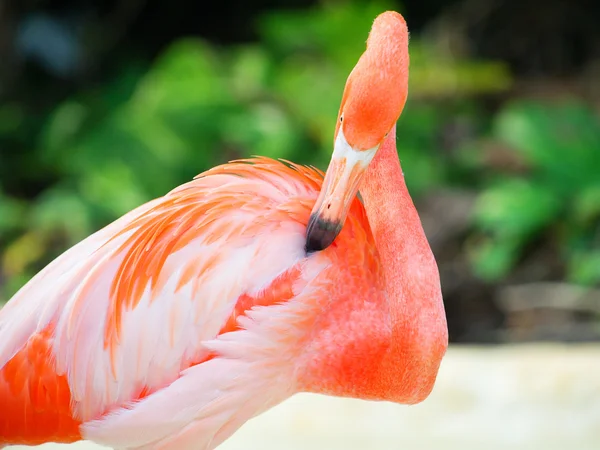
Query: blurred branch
(563, 296)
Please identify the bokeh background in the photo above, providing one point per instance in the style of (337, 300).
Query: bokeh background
(107, 104)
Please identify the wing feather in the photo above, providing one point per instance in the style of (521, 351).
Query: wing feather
(161, 280)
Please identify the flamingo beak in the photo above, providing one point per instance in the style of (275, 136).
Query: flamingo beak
(339, 188)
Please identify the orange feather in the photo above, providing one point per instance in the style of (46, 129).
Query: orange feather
(36, 399)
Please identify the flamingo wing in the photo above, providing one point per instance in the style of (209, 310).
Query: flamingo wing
(133, 309)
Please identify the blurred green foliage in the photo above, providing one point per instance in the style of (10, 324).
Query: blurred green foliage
(108, 149)
(558, 193)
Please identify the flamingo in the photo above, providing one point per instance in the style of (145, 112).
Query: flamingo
(259, 279)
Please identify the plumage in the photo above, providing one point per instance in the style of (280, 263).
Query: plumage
(174, 325)
(201, 240)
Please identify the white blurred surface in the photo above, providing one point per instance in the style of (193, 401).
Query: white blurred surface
(543, 397)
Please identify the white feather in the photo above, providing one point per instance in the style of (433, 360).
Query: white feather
(171, 327)
(255, 370)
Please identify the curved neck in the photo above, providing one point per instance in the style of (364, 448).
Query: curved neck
(419, 330)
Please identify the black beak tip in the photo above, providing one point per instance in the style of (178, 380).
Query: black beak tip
(321, 233)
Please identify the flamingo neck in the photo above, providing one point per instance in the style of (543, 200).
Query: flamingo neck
(419, 330)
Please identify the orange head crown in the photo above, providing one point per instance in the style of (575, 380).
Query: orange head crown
(377, 88)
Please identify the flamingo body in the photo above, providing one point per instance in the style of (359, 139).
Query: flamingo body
(232, 279)
(174, 325)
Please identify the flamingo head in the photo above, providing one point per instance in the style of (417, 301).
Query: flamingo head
(372, 102)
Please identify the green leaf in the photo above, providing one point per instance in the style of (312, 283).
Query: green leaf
(316, 108)
(61, 210)
(435, 74)
(586, 206)
(423, 172)
(62, 127)
(336, 30)
(12, 117)
(584, 267)
(562, 142)
(114, 189)
(493, 259)
(22, 252)
(515, 207)
(187, 75)
(250, 66)
(263, 130)
(12, 212)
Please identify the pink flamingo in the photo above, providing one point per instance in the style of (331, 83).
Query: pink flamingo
(174, 325)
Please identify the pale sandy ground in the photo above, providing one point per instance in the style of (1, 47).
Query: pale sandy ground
(544, 397)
